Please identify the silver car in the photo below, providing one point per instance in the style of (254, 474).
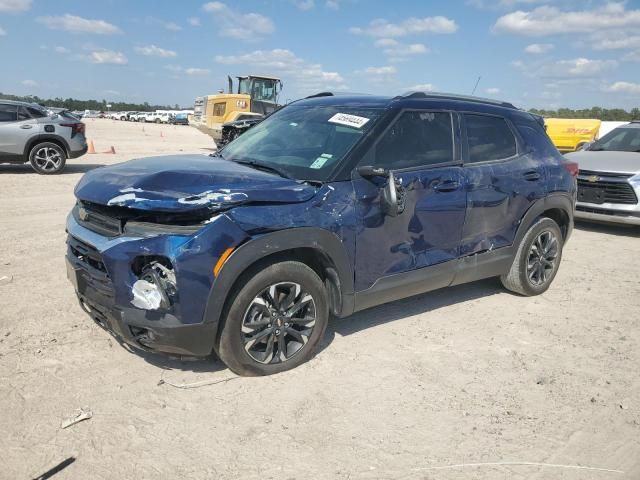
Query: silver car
(609, 177)
(30, 133)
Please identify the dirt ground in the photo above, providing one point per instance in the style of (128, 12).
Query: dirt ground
(439, 386)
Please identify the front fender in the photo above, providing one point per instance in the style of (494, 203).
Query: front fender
(323, 241)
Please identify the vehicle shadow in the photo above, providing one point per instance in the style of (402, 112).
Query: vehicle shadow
(390, 312)
(24, 168)
(609, 229)
(418, 304)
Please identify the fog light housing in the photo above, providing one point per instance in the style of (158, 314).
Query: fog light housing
(156, 285)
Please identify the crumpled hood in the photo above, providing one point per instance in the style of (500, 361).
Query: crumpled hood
(604, 161)
(186, 182)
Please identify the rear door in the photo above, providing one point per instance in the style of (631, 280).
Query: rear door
(502, 180)
(17, 127)
(420, 148)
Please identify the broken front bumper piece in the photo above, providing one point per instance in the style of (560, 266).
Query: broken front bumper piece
(150, 291)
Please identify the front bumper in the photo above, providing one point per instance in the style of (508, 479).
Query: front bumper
(100, 269)
(596, 213)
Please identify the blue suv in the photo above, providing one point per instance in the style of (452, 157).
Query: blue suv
(331, 205)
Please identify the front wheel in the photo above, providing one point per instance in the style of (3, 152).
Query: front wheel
(47, 158)
(275, 320)
(537, 261)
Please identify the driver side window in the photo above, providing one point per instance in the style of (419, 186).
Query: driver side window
(416, 139)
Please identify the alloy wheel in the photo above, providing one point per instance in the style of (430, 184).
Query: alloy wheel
(48, 159)
(278, 323)
(542, 258)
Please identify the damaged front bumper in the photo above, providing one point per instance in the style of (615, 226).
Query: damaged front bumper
(108, 274)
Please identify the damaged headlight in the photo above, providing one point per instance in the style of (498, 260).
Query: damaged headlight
(156, 287)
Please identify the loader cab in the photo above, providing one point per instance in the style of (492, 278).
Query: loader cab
(263, 92)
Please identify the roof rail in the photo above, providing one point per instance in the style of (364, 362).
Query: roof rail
(321, 94)
(453, 96)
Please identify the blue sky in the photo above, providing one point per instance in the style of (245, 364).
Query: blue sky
(535, 53)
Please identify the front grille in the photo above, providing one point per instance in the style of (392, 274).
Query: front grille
(86, 254)
(97, 222)
(605, 187)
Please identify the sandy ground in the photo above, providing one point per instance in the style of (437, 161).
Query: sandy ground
(413, 389)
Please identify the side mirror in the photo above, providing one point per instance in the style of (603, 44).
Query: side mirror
(584, 146)
(369, 172)
(393, 197)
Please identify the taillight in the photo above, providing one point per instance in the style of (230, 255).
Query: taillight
(75, 127)
(571, 167)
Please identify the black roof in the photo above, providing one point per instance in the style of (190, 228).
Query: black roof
(329, 98)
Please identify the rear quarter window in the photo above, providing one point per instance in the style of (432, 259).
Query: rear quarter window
(8, 113)
(489, 138)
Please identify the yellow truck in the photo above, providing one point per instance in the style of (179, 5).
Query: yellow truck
(570, 134)
(255, 97)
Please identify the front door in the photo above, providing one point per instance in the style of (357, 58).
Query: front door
(420, 148)
(16, 129)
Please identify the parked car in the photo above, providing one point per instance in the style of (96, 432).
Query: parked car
(28, 133)
(180, 119)
(609, 177)
(331, 205)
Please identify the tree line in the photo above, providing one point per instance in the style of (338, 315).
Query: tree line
(605, 114)
(74, 104)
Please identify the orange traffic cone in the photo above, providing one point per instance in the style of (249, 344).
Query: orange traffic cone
(92, 148)
(111, 150)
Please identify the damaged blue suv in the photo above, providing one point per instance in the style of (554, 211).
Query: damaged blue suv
(331, 205)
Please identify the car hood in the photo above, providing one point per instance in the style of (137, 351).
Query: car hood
(604, 161)
(181, 183)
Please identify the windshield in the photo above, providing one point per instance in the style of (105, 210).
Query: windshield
(622, 139)
(305, 142)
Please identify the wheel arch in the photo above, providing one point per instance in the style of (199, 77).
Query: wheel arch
(557, 206)
(317, 248)
(61, 142)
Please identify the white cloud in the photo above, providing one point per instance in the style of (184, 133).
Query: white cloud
(239, 25)
(173, 27)
(410, 26)
(583, 67)
(194, 21)
(538, 48)
(631, 57)
(380, 71)
(398, 51)
(75, 24)
(307, 77)
(332, 4)
(304, 5)
(2, 32)
(14, 6)
(108, 57)
(61, 50)
(624, 87)
(194, 72)
(174, 68)
(548, 20)
(492, 91)
(615, 41)
(421, 87)
(154, 51)
(501, 4)
(29, 83)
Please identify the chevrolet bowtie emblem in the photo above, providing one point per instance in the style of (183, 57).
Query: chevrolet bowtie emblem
(593, 178)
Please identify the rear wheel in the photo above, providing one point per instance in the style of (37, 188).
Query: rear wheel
(47, 158)
(537, 261)
(275, 321)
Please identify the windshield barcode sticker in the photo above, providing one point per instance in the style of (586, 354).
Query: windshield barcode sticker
(348, 120)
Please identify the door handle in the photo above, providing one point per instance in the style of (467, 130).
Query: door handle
(532, 176)
(446, 186)
(25, 127)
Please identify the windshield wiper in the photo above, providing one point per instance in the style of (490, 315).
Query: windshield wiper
(264, 167)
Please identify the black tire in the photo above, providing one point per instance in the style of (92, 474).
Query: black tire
(158, 120)
(233, 337)
(47, 158)
(534, 268)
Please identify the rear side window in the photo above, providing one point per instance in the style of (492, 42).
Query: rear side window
(416, 139)
(8, 113)
(489, 138)
(23, 114)
(36, 112)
